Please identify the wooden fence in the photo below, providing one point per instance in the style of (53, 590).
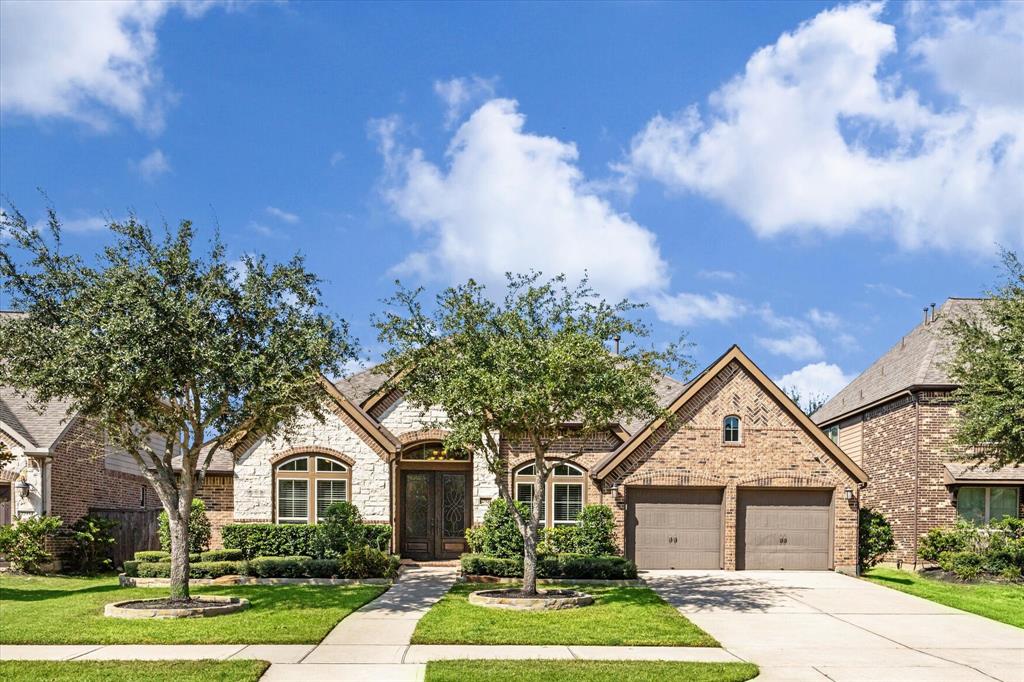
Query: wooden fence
(136, 530)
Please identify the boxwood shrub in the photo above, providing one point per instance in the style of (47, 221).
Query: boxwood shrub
(363, 562)
(152, 555)
(200, 569)
(222, 555)
(567, 566)
(270, 539)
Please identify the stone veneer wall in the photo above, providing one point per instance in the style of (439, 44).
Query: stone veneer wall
(27, 467)
(371, 479)
(775, 452)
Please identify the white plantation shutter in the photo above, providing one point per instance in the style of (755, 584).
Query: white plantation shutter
(329, 491)
(292, 500)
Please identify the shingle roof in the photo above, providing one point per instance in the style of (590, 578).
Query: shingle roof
(358, 387)
(223, 461)
(39, 427)
(917, 360)
(968, 472)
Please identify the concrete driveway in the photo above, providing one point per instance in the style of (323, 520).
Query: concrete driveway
(819, 626)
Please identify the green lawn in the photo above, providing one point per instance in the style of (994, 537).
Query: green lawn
(620, 616)
(1002, 602)
(58, 610)
(588, 671)
(130, 671)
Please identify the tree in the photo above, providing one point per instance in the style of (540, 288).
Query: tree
(987, 364)
(173, 352)
(813, 403)
(6, 454)
(519, 371)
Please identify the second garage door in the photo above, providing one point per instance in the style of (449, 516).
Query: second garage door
(784, 529)
(675, 527)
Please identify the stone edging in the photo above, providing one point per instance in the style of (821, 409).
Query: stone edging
(552, 581)
(495, 599)
(129, 581)
(210, 606)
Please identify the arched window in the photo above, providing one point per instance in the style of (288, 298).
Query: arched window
(305, 485)
(731, 429)
(564, 495)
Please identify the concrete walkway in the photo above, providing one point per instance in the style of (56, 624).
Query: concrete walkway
(803, 626)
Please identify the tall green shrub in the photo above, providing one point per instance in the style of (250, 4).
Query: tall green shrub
(198, 529)
(93, 548)
(595, 531)
(876, 539)
(341, 528)
(24, 543)
(499, 535)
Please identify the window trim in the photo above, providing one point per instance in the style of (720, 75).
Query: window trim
(578, 478)
(311, 476)
(739, 430)
(988, 500)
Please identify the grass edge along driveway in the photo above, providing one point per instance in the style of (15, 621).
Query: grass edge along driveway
(588, 671)
(151, 671)
(619, 616)
(65, 610)
(1003, 602)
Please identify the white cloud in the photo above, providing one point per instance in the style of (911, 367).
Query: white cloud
(283, 216)
(337, 157)
(721, 275)
(153, 165)
(84, 60)
(819, 379)
(458, 94)
(84, 224)
(814, 136)
(887, 290)
(261, 228)
(798, 346)
(686, 309)
(823, 318)
(511, 201)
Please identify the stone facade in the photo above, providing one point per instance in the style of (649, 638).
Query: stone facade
(775, 451)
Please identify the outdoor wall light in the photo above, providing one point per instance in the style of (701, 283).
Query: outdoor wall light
(23, 487)
(849, 494)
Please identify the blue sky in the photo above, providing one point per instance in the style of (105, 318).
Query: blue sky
(798, 178)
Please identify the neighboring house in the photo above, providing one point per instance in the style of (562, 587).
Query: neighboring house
(741, 478)
(897, 421)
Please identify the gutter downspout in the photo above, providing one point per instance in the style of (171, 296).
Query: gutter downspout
(917, 471)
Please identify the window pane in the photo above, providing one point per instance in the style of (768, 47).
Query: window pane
(328, 492)
(292, 499)
(301, 464)
(731, 427)
(1002, 502)
(567, 470)
(970, 504)
(524, 493)
(527, 471)
(324, 464)
(568, 502)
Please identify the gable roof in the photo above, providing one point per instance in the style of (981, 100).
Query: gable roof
(380, 434)
(960, 473)
(734, 354)
(916, 361)
(361, 386)
(34, 428)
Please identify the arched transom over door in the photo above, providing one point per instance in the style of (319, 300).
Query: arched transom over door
(306, 484)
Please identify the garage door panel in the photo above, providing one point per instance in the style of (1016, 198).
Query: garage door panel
(784, 529)
(676, 527)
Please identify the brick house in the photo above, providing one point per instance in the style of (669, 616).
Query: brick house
(737, 478)
(897, 420)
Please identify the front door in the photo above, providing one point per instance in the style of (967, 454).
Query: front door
(435, 513)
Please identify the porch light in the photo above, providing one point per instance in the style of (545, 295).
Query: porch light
(23, 487)
(849, 494)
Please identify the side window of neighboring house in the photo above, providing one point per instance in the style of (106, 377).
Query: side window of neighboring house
(833, 433)
(983, 504)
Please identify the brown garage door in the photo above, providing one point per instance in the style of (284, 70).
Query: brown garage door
(784, 529)
(675, 527)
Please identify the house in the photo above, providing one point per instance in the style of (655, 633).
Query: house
(740, 478)
(897, 420)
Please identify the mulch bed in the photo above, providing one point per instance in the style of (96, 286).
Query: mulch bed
(541, 594)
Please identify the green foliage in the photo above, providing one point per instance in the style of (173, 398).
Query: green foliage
(131, 568)
(377, 535)
(595, 531)
(876, 539)
(367, 562)
(568, 566)
(152, 555)
(24, 543)
(971, 552)
(987, 363)
(199, 569)
(271, 539)
(93, 545)
(475, 539)
(341, 528)
(558, 539)
(499, 536)
(220, 555)
(198, 529)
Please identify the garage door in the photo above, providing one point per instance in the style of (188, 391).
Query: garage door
(784, 529)
(675, 527)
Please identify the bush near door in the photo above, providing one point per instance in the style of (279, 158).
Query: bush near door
(270, 539)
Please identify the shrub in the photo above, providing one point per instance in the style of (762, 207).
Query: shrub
(971, 552)
(964, 565)
(377, 535)
(92, 546)
(559, 540)
(367, 562)
(595, 531)
(220, 555)
(24, 543)
(200, 569)
(198, 529)
(277, 567)
(131, 568)
(500, 536)
(342, 528)
(875, 537)
(270, 539)
(153, 555)
(938, 541)
(569, 566)
(475, 539)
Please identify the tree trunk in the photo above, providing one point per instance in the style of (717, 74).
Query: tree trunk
(179, 554)
(530, 558)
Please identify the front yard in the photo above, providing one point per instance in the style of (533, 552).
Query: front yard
(59, 610)
(620, 616)
(588, 671)
(999, 601)
(151, 671)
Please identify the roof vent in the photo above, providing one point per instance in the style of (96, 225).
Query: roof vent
(925, 309)
(933, 312)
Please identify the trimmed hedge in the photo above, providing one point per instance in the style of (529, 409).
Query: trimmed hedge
(222, 555)
(363, 562)
(568, 566)
(157, 555)
(270, 539)
(200, 569)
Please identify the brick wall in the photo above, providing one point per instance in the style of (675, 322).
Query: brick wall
(775, 452)
(218, 493)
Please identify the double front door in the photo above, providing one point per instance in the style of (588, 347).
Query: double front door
(435, 513)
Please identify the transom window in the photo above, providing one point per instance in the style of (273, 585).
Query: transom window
(982, 505)
(563, 498)
(731, 429)
(434, 452)
(305, 485)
